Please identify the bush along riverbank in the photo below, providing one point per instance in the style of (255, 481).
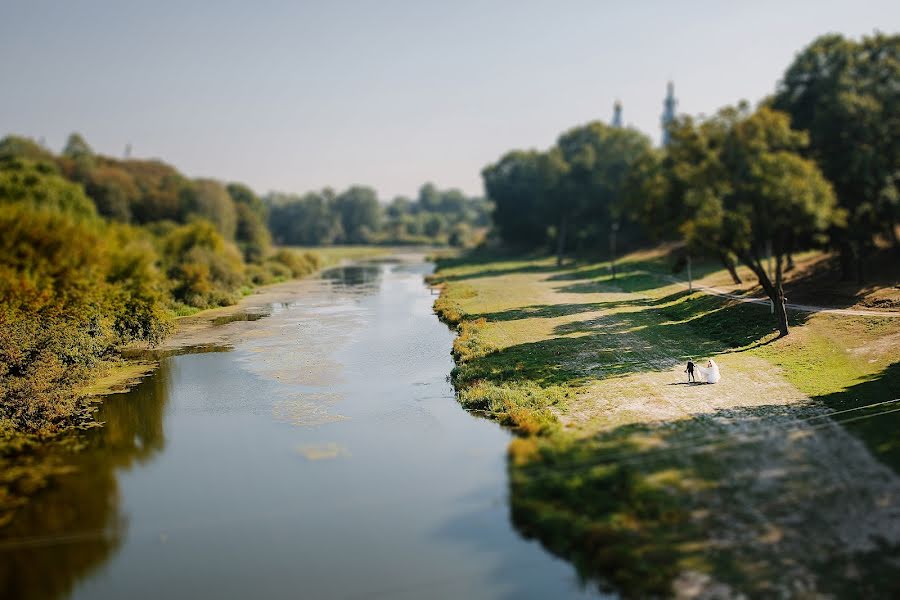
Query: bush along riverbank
(655, 487)
(76, 287)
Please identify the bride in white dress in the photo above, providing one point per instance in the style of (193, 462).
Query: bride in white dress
(710, 372)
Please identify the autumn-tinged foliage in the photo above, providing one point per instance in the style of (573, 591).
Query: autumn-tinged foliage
(69, 295)
(96, 253)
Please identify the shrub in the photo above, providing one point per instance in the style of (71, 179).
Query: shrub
(56, 313)
(299, 263)
(204, 269)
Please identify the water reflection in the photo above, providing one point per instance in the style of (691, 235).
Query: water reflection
(239, 316)
(353, 275)
(404, 494)
(73, 527)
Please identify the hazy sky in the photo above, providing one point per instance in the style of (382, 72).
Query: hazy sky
(297, 95)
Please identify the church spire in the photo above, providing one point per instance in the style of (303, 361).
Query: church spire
(617, 115)
(668, 112)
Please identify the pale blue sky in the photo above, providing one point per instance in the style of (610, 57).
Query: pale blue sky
(296, 95)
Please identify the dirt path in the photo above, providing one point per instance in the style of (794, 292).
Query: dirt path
(771, 479)
(850, 312)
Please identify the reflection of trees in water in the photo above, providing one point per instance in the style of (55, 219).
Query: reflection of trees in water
(133, 422)
(353, 275)
(74, 526)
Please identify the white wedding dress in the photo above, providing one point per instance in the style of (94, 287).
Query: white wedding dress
(711, 373)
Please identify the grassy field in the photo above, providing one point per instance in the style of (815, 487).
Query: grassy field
(654, 486)
(334, 255)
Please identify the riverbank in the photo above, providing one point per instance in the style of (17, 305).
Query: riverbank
(204, 328)
(654, 486)
(29, 462)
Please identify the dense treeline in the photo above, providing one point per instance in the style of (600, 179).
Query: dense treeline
(816, 165)
(357, 216)
(97, 253)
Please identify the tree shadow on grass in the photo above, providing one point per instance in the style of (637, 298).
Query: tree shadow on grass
(625, 342)
(820, 283)
(540, 311)
(878, 433)
(758, 498)
(624, 282)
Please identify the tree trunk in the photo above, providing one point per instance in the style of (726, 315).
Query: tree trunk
(774, 291)
(860, 275)
(561, 239)
(779, 299)
(732, 270)
(845, 255)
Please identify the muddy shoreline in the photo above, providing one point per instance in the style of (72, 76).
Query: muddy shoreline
(213, 329)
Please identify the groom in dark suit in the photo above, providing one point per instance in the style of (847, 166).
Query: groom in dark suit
(690, 371)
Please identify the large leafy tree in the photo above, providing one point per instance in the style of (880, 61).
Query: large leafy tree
(750, 192)
(14, 146)
(252, 234)
(208, 199)
(845, 94)
(591, 194)
(658, 189)
(360, 213)
(521, 184)
(306, 220)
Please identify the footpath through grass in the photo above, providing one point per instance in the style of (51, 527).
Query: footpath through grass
(656, 487)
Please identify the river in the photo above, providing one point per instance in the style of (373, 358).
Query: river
(320, 454)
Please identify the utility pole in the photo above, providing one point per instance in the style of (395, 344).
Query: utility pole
(690, 277)
(612, 247)
(769, 267)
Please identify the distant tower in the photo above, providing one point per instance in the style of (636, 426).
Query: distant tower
(127, 151)
(617, 115)
(668, 112)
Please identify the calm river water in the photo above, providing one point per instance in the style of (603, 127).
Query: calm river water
(323, 455)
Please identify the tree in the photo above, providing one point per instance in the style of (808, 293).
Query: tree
(591, 194)
(519, 185)
(434, 225)
(113, 191)
(77, 148)
(359, 212)
(208, 199)
(37, 184)
(429, 198)
(205, 269)
(845, 94)
(657, 186)
(160, 187)
(251, 234)
(13, 146)
(307, 221)
(749, 190)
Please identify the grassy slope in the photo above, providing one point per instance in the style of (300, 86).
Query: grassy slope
(333, 255)
(590, 370)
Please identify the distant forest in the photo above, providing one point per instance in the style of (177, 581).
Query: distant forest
(356, 216)
(150, 191)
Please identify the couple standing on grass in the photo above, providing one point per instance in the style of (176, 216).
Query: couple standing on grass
(710, 372)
